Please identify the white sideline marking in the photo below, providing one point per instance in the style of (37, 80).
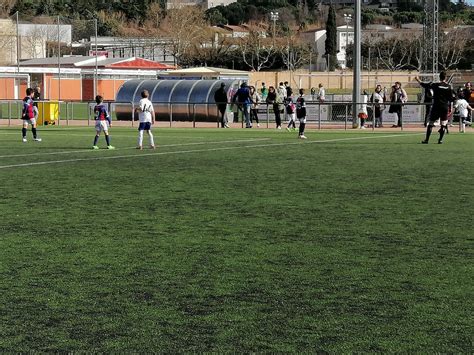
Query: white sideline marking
(198, 151)
(54, 133)
(164, 145)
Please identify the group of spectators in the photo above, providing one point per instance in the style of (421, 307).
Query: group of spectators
(280, 98)
(247, 100)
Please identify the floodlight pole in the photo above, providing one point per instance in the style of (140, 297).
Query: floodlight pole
(274, 18)
(17, 44)
(356, 64)
(17, 80)
(59, 64)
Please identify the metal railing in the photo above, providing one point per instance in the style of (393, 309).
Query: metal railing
(320, 115)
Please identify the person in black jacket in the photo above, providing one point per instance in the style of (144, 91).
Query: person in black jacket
(274, 99)
(220, 97)
(443, 95)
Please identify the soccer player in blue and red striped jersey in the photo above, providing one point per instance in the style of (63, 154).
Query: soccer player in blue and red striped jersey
(28, 116)
(102, 122)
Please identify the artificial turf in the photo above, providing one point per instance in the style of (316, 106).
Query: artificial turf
(236, 241)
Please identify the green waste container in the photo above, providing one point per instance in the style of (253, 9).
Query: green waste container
(48, 112)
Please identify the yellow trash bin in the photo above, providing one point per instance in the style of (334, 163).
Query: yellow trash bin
(48, 112)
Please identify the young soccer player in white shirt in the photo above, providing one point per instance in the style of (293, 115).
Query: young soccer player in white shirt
(146, 116)
(462, 106)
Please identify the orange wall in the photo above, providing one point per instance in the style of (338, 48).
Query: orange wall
(108, 88)
(70, 89)
(7, 88)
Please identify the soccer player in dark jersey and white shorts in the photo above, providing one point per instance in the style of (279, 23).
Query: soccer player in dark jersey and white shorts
(102, 122)
(28, 115)
(443, 96)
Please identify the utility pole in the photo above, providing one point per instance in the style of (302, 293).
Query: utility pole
(356, 70)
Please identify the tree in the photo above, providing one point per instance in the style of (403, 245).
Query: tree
(452, 42)
(257, 50)
(330, 44)
(295, 53)
(183, 26)
(212, 49)
(6, 6)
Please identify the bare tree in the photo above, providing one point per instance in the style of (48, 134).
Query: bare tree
(8, 42)
(257, 50)
(183, 26)
(392, 53)
(295, 52)
(6, 6)
(451, 46)
(212, 47)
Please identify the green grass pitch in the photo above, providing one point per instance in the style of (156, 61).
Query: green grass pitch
(236, 241)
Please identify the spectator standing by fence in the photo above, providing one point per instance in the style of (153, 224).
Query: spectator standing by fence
(378, 98)
(264, 92)
(398, 96)
(220, 97)
(289, 90)
(321, 93)
(255, 97)
(468, 95)
(273, 99)
(243, 100)
(362, 114)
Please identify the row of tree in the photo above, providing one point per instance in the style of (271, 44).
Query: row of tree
(192, 41)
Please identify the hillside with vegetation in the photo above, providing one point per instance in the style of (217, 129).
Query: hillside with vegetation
(192, 41)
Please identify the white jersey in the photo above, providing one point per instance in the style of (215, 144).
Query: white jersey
(461, 105)
(146, 110)
(321, 94)
(363, 108)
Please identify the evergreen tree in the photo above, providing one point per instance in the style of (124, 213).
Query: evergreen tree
(330, 43)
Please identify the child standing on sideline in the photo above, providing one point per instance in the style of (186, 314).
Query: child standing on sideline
(102, 122)
(363, 110)
(463, 108)
(301, 113)
(290, 114)
(28, 116)
(146, 116)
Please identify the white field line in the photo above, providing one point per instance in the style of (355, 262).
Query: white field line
(164, 145)
(197, 151)
(54, 133)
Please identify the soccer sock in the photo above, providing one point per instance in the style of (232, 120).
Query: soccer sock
(429, 129)
(301, 133)
(96, 139)
(107, 139)
(152, 142)
(442, 131)
(33, 129)
(140, 138)
(23, 132)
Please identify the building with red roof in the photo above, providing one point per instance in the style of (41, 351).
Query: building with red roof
(76, 77)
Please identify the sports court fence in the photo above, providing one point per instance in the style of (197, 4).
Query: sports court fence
(337, 114)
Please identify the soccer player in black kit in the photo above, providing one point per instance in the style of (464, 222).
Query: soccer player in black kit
(443, 95)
